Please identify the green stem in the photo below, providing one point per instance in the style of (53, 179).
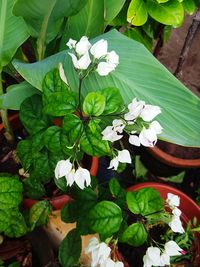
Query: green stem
(4, 116)
(79, 96)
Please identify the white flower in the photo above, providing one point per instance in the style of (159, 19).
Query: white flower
(135, 108)
(152, 257)
(176, 225)
(63, 168)
(99, 49)
(149, 112)
(173, 200)
(104, 68)
(70, 177)
(82, 63)
(155, 125)
(83, 46)
(99, 251)
(123, 157)
(110, 135)
(62, 73)
(71, 43)
(148, 137)
(176, 211)
(112, 58)
(110, 263)
(82, 177)
(172, 248)
(164, 259)
(118, 125)
(134, 140)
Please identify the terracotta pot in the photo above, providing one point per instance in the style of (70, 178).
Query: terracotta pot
(57, 202)
(188, 207)
(174, 161)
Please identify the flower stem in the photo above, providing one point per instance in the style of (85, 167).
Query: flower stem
(4, 116)
(79, 96)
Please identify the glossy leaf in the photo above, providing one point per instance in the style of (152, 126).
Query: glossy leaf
(39, 214)
(70, 249)
(10, 192)
(113, 100)
(169, 13)
(33, 188)
(135, 235)
(116, 189)
(189, 6)
(73, 127)
(94, 104)
(13, 32)
(105, 218)
(145, 201)
(16, 94)
(137, 13)
(136, 67)
(112, 8)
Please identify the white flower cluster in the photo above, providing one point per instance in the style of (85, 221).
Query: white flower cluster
(123, 157)
(175, 224)
(136, 109)
(100, 254)
(154, 257)
(80, 176)
(86, 53)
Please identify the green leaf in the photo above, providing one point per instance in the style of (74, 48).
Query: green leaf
(135, 235)
(116, 189)
(16, 94)
(137, 35)
(94, 104)
(33, 188)
(70, 249)
(12, 223)
(113, 100)
(140, 169)
(137, 13)
(73, 127)
(105, 218)
(175, 178)
(136, 66)
(88, 22)
(32, 116)
(112, 8)
(145, 201)
(57, 99)
(169, 13)
(69, 212)
(39, 214)
(13, 32)
(45, 18)
(91, 142)
(189, 6)
(10, 192)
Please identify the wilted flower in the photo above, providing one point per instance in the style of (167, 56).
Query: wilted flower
(123, 157)
(99, 49)
(99, 251)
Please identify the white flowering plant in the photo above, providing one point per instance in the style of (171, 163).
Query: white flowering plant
(64, 125)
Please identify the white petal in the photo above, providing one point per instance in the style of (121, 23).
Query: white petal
(119, 264)
(63, 167)
(124, 156)
(164, 259)
(148, 137)
(176, 225)
(134, 140)
(108, 263)
(135, 108)
(70, 177)
(62, 73)
(74, 60)
(104, 68)
(149, 112)
(83, 46)
(155, 125)
(84, 62)
(110, 135)
(153, 253)
(81, 177)
(118, 125)
(104, 252)
(93, 244)
(99, 49)
(112, 58)
(176, 211)
(172, 249)
(71, 43)
(173, 200)
(114, 164)
(147, 262)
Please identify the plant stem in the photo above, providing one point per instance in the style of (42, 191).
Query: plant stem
(187, 44)
(79, 96)
(4, 116)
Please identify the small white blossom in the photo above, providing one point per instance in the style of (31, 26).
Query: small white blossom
(71, 43)
(83, 46)
(63, 168)
(82, 177)
(176, 212)
(70, 177)
(118, 125)
(112, 58)
(172, 248)
(99, 251)
(135, 108)
(99, 49)
(110, 135)
(164, 259)
(110, 263)
(104, 68)
(134, 140)
(173, 200)
(123, 157)
(148, 137)
(176, 225)
(62, 74)
(152, 257)
(155, 125)
(82, 63)
(149, 112)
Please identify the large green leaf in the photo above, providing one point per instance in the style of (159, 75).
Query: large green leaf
(135, 235)
(13, 32)
(137, 13)
(139, 75)
(169, 13)
(89, 22)
(112, 8)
